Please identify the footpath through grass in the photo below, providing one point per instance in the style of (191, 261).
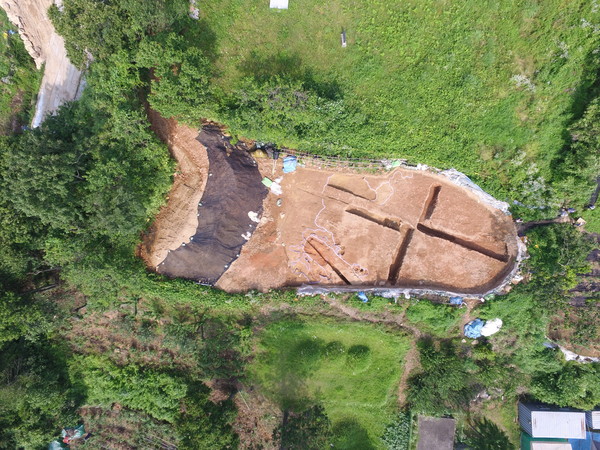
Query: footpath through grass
(487, 87)
(353, 369)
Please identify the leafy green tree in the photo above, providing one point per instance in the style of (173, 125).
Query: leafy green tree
(580, 164)
(20, 319)
(204, 424)
(286, 111)
(99, 28)
(180, 77)
(557, 254)
(36, 396)
(483, 434)
(310, 429)
(576, 385)
(444, 384)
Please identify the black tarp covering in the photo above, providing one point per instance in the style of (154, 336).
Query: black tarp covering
(232, 190)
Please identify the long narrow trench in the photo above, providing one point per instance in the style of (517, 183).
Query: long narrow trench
(394, 272)
(469, 245)
(322, 254)
(386, 222)
(431, 202)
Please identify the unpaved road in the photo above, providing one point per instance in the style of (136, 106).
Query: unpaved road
(62, 80)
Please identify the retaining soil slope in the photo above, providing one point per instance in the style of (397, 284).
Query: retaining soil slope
(404, 228)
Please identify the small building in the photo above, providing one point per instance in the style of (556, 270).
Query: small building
(544, 421)
(436, 433)
(279, 4)
(551, 446)
(592, 419)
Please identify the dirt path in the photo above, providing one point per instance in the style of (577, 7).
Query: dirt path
(62, 81)
(411, 363)
(523, 228)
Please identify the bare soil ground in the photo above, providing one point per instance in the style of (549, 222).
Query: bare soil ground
(177, 220)
(404, 228)
(61, 81)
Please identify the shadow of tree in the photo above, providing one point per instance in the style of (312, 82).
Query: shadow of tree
(350, 435)
(289, 67)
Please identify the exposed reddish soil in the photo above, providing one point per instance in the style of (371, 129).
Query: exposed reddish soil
(405, 228)
(177, 220)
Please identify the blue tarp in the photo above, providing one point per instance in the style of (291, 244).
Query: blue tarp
(363, 297)
(473, 328)
(582, 444)
(289, 163)
(456, 300)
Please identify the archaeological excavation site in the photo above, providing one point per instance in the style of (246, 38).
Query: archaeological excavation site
(243, 219)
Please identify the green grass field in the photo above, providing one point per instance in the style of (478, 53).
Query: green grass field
(353, 369)
(484, 86)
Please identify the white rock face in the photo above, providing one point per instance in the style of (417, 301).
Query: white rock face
(61, 79)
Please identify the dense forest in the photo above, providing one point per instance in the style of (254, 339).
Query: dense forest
(89, 336)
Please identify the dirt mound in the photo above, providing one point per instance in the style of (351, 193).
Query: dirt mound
(232, 198)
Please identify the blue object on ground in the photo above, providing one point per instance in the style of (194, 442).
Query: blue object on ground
(363, 297)
(473, 328)
(456, 300)
(582, 444)
(289, 164)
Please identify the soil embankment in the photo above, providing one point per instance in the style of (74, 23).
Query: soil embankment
(62, 80)
(177, 221)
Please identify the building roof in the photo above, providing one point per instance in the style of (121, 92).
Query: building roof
(558, 424)
(551, 446)
(436, 433)
(593, 419)
(279, 4)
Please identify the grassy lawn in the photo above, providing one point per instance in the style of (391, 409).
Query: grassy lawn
(353, 369)
(484, 86)
(437, 319)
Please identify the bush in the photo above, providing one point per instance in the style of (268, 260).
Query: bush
(433, 317)
(444, 384)
(154, 392)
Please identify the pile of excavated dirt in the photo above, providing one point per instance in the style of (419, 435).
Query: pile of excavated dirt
(62, 80)
(403, 228)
